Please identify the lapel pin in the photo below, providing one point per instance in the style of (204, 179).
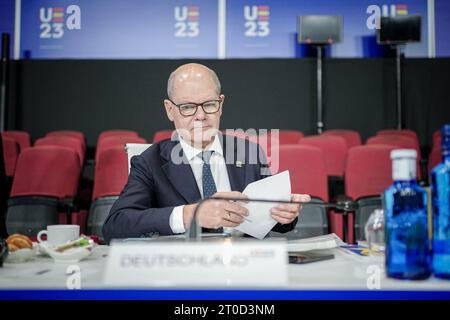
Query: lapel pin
(239, 164)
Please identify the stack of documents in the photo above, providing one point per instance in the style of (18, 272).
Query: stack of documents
(328, 241)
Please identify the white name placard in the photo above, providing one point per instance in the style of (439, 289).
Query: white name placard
(197, 264)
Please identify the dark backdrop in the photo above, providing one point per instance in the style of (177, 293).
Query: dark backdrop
(359, 94)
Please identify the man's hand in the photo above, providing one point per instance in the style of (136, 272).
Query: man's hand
(217, 213)
(286, 213)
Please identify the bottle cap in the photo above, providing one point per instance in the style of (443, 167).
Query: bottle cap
(403, 153)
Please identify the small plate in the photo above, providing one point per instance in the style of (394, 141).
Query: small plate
(21, 255)
(71, 255)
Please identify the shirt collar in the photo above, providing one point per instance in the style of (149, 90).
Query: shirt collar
(191, 152)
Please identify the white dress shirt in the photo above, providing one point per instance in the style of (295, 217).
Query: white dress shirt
(218, 170)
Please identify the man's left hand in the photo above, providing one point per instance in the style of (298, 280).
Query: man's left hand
(286, 213)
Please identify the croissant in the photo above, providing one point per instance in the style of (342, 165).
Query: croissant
(18, 241)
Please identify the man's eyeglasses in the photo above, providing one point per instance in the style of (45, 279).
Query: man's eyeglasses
(189, 109)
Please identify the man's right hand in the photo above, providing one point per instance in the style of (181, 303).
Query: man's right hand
(214, 214)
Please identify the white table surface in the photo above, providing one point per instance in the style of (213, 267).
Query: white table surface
(347, 271)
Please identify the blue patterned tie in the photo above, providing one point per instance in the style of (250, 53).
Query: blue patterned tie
(209, 186)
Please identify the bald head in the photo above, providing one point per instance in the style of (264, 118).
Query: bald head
(191, 72)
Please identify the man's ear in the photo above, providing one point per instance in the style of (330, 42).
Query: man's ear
(169, 109)
(222, 97)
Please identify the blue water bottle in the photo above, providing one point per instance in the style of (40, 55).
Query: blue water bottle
(440, 189)
(405, 205)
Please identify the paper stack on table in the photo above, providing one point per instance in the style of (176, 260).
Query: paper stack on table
(259, 222)
(315, 243)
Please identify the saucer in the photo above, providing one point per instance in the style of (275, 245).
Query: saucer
(71, 255)
(21, 255)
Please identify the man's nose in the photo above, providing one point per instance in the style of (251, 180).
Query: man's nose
(200, 115)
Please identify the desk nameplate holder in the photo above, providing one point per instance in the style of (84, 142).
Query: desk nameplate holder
(222, 263)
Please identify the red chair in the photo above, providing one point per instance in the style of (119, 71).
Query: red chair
(21, 137)
(162, 135)
(353, 138)
(111, 175)
(290, 136)
(10, 155)
(63, 141)
(44, 185)
(308, 176)
(70, 133)
(437, 139)
(434, 159)
(400, 142)
(122, 133)
(334, 151)
(116, 141)
(403, 133)
(368, 173)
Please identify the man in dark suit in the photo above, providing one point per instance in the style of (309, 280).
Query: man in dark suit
(169, 178)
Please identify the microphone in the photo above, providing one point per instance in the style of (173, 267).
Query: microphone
(194, 231)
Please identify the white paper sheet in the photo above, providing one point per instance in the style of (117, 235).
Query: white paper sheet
(327, 241)
(259, 221)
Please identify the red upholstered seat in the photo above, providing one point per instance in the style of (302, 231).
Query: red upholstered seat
(307, 169)
(51, 171)
(334, 151)
(403, 132)
(116, 141)
(162, 135)
(352, 138)
(434, 159)
(70, 133)
(10, 155)
(111, 172)
(64, 141)
(368, 173)
(121, 133)
(308, 175)
(21, 137)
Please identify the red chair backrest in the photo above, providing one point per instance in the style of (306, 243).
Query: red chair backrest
(368, 170)
(437, 139)
(10, 155)
(21, 137)
(162, 135)
(70, 133)
(116, 141)
(290, 136)
(111, 172)
(334, 150)
(404, 142)
(353, 138)
(402, 132)
(434, 159)
(52, 171)
(306, 167)
(110, 133)
(63, 141)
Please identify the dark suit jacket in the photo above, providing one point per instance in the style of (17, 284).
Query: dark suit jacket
(156, 185)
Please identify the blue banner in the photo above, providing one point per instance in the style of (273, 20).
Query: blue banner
(118, 29)
(141, 29)
(268, 28)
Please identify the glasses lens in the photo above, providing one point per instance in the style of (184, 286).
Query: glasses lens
(211, 106)
(188, 109)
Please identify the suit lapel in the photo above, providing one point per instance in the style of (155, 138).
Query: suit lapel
(235, 163)
(182, 172)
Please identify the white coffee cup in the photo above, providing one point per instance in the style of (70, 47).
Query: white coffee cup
(59, 234)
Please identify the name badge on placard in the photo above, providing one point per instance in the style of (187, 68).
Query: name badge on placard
(225, 263)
